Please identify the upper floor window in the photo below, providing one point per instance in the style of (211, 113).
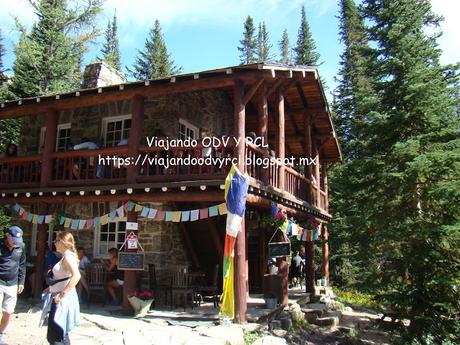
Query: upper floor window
(63, 136)
(116, 129)
(187, 130)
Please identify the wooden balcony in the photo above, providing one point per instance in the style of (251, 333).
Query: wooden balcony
(91, 167)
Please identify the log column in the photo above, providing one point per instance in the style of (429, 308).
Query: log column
(317, 177)
(280, 136)
(40, 261)
(135, 134)
(130, 283)
(325, 250)
(262, 121)
(240, 245)
(308, 168)
(325, 185)
(52, 118)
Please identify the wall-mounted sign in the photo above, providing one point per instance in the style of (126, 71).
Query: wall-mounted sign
(131, 226)
(131, 242)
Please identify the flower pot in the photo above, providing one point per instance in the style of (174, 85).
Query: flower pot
(140, 306)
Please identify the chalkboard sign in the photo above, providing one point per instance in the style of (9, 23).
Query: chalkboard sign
(131, 261)
(279, 249)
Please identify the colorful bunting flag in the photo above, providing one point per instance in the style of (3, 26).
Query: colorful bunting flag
(145, 211)
(169, 216)
(194, 214)
(204, 213)
(185, 216)
(213, 211)
(152, 213)
(176, 216)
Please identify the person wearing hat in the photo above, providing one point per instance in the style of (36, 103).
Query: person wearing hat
(12, 273)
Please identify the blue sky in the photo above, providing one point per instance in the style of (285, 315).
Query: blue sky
(204, 34)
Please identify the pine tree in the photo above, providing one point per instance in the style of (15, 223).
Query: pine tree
(411, 198)
(283, 45)
(2, 53)
(305, 49)
(248, 43)
(49, 57)
(154, 61)
(263, 44)
(111, 48)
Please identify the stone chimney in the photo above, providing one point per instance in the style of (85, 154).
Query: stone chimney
(100, 74)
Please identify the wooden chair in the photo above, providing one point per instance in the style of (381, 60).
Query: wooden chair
(96, 278)
(212, 288)
(181, 286)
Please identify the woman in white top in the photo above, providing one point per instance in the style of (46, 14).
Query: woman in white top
(65, 307)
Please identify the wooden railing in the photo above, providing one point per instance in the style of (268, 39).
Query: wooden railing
(295, 183)
(20, 171)
(86, 167)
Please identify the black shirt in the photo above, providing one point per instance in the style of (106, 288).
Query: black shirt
(12, 265)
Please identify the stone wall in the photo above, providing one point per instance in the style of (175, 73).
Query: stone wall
(211, 110)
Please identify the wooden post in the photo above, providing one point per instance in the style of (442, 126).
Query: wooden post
(308, 168)
(310, 267)
(325, 186)
(280, 135)
(317, 177)
(130, 282)
(40, 261)
(135, 134)
(325, 252)
(262, 121)
(52, 118)
(240, 245)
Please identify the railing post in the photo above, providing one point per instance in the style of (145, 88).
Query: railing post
(240, 245)
(135, 134)
(280, 136)
(52, 118)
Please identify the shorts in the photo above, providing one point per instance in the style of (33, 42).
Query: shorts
(8, 296)
(120, 282)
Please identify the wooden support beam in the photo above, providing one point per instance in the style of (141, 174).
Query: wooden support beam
(41, 245)
(52, 120)
(325, 253)
(317, 177)
(274, 87)
(135, 135)
(308, 168)
(280, 135)
(192, 196)
(130, 281)
(248, 96)
(262, 122)
(240, 283)
(310, 268)
(301, 94)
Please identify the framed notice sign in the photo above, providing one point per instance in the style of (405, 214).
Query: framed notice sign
(131, 242)
(279, 249)
(131, 261)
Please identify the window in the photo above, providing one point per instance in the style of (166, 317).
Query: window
(116, 129)
(111, 235)
(187, 130)
(63, 136)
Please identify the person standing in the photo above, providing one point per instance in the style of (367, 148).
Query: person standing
(63, 301)
(12, 273)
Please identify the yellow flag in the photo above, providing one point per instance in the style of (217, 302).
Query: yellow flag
(176, 216)
(67, 222)
(104, 219)
(222, 208)
(138, 208)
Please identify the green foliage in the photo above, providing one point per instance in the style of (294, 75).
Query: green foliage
(248, 43)
(48, 58)
(284, 48)
(397, 220)
(305, 50)
(250, 337)
(111, 48)
(349, 296)
(263, 44)
(2, 53)
(154, 61)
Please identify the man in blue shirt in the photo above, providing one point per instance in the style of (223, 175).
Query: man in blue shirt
(12, 273)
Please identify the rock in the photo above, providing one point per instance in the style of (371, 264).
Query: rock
(327, 321)
(251, 327)
(334, 313)
(279, 332)
(345, 330)
(231, 334)
(347, 309)
(270, 340)
(286, 323)
(316, 306)
(311, 317)
(275, 324)
(296, 312)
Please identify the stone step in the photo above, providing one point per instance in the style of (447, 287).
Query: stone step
(327, 321)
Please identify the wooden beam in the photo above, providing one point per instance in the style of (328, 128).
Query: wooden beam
(262, 122)
(130, 277)
(325, 253)
(280, 135)
(41, 245)
(91, 97)
(240, 282)
(248, 96)
(301, 94)
(308, 168)
(195, 196)
(135, 135)
(275, 87)
(52, 120)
